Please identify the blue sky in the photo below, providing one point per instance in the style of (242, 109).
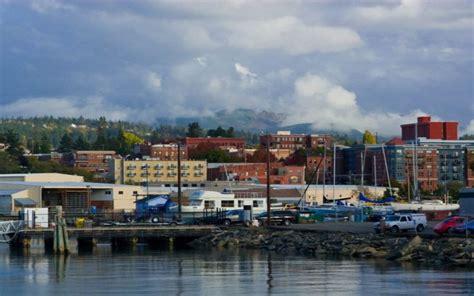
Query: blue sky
(348, 64)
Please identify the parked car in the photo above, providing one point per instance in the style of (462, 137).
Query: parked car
(467, 226)
(403, 222)
(233, 216)
(448, 225)
(278, 217)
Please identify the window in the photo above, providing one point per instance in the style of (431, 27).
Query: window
(108, 192)
(258, 203)
(241, 203)
(403, 219)
(135, 192)
(227, 203)
(209, 204)
(120, 192)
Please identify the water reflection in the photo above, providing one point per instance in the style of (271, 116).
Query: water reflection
(189, 272)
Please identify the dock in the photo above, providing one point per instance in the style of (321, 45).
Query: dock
(117, 236)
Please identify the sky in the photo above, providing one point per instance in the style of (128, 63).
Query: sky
(336, 64)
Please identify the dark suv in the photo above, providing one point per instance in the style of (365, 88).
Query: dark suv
(278, 217)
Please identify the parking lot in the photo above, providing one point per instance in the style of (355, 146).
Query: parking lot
(352, 227)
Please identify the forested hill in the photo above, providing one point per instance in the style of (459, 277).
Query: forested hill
(50, 131)
(33, 130)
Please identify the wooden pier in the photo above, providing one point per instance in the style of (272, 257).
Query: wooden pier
(125, 235)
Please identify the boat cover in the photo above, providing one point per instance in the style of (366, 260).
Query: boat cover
(362, 197)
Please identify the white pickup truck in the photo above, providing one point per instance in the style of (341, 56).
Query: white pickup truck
(403, 222)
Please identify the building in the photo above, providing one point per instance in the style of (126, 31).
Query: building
(42, 177)
(466, 202)
(164, 172)
(469, 166)
(426, 169)
(223, 143)
(68, 191)
(95, 162)
(285, 140)
(257, 172)
(160, 151)
(430, 130)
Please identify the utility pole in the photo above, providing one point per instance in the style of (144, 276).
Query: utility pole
(179, 180)
(268, 179)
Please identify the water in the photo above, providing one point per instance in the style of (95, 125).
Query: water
(238, 272)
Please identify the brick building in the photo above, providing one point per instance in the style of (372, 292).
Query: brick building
(161, 151)
(285, 140)
(427, 167)
(469, 166)
(95, 162)
(279, 174)
(430, 129)
(223, 143)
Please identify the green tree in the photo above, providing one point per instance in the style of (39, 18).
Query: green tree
(194, 130)
(369, 138)
(453, 189)
(230, 132)
(81, 144)
(44, 144)
(8, 165)
(66, 143)
(14, 146)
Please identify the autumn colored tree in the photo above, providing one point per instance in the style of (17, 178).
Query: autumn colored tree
(369, 138)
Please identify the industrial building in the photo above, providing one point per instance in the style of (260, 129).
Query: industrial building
(70, 192)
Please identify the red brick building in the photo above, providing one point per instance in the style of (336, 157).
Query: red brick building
(161, 151)
(285, 140)
(223, 143)
(279, 174)
(430, 129)
(469, 166)
(95, 162)
(427, 164)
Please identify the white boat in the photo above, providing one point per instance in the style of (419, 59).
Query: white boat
(203, 200)
(425, 205)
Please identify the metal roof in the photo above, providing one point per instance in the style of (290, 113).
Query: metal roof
(25, 202)
(84, 185)
(10, 192)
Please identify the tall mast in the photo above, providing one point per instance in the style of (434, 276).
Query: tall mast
(324, 171)
(375, 177)
(415, 185)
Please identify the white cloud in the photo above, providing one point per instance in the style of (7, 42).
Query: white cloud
(244, 71)
(469, 130)
(202, 61)
(153, 81)
(416, 14)
(45, 6)
(329, 106)
(290, 35)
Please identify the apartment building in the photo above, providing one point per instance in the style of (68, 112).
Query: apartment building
(164, 172)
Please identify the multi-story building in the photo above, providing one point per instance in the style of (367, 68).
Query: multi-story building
(223, 143)
(161, 151)
(279, 174)
(454, 159)
(469, 166)
(425, 128)
(95, 162)
(164, 172)
(426, 168)
(285, 140)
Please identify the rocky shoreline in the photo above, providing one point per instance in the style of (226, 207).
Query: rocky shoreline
(437, 251)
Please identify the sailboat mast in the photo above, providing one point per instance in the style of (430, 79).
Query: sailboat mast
(334, 174)
(375, 177)
(386, 170)
(415, 185)
(324, 171)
